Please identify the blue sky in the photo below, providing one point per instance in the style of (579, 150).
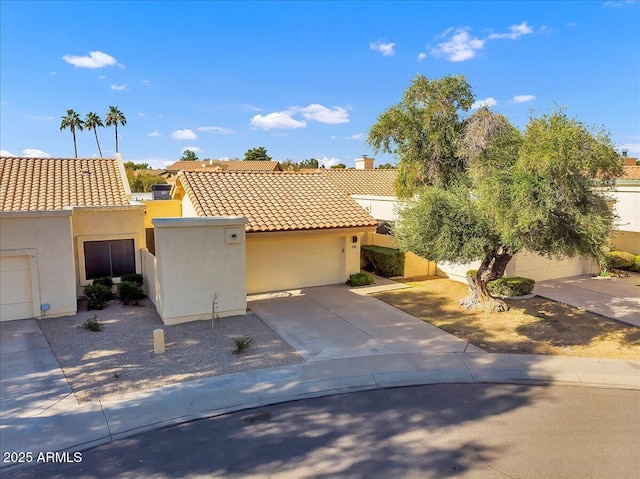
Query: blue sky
(303, 79)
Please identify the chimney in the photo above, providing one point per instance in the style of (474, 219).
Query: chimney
(364, 163)
(625, 153)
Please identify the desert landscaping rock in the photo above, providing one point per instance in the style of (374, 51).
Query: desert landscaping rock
(120, 358)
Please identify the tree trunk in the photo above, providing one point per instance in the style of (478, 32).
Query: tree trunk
(492, 267)
(96, 133)
(116, 137)
(75, 148)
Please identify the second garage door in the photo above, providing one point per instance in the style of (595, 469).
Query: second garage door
(291, 263)
(16, 298)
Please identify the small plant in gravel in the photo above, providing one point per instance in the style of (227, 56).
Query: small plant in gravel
(214, 310)
(129, 292)
(97, 295)
(92, 324)
(242, 343)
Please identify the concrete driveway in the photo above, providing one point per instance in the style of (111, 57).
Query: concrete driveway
(333, 322)
(615, 298)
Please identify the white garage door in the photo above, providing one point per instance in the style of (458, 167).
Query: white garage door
(16, 298)
(277, 264)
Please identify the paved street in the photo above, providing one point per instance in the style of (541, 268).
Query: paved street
(468, 431)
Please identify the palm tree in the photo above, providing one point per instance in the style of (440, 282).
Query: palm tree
(72, 121)
(115, 116)
(92, 122)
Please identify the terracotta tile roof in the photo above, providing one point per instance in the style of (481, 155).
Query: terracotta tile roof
(363, 182)
(36, 184)
(273, 201)
(630, 173)
(230, 165)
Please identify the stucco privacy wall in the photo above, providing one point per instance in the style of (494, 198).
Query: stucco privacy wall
(627, 207)
(161, 209)
(195, 258)
(103, 223)
(47, 237)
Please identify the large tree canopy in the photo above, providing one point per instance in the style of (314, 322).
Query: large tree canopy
(478, 189)
(257, 154)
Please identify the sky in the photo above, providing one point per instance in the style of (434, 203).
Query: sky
(303, 79)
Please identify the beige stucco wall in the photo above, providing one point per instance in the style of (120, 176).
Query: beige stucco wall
(102, 223)
(627, 207)
(380, 207)
(626, 241)
(195, 258)
(161, 209)
(48, 236)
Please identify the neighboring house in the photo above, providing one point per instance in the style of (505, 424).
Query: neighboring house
(63, 222)
(626, 236)
(301, 231)
(218, 165)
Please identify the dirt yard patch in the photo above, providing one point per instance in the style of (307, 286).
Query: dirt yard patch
(532, 326)
(120, 358)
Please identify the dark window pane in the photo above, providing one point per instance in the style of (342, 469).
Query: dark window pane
(123, 258)
(96, 259)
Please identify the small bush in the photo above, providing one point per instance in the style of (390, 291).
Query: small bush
(242, 343)
(511, 286)
(133, 277)
(636, 265)
(92, 324)
(97, 295)
(129, 292)
(618, 259)
(361, 279)
(387, 262)
(106, 281)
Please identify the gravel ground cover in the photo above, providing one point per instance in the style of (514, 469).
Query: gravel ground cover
(120, 358)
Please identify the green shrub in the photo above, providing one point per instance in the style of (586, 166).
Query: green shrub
(361, 279)
(133, 277)
(92, 324)
(129, 292)
(618, 259)
(386, 262)
(107, 281)
(97, 295)
(242, 343)
(511, 286)
(636, 265)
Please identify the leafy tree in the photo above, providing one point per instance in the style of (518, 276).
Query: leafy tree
(477, 189)
(257, 154)
(289, 165)
(141, 180)
(339, 166)
(385, 166)
(130, 165)
(188, 155)
(91, 122)
(72, 121)
(113, 118)
(311, 163)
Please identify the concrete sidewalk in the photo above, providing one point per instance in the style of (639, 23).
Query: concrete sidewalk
(615, 298)
(352, 342)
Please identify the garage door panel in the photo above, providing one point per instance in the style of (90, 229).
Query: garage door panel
(294, 263)
(16, 296)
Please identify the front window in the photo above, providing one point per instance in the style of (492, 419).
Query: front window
(109, 258)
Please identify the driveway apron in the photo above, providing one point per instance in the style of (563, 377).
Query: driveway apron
(333, 322)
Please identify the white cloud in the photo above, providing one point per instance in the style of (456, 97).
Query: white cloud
(102, 77)
(195, 149)
(320, 113)
(421, 56)
(6, 153)
(619, 3)
(154, 133)
(277, 120)
(486, 102)
(333, 137)
(95, 59)
(183, 135)
(119, 87)
(460, 47)
(522, 98)
(146, 82)
(215, 129)
(140, 113)
(385, 48)
(33, 153)
(54, 73)
(515, 32)
(329, 162)
(357, 136)
(249, 107)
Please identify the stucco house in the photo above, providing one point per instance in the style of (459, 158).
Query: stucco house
(63, 222)
(301, 231)
(171, 171)
(626, 198)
